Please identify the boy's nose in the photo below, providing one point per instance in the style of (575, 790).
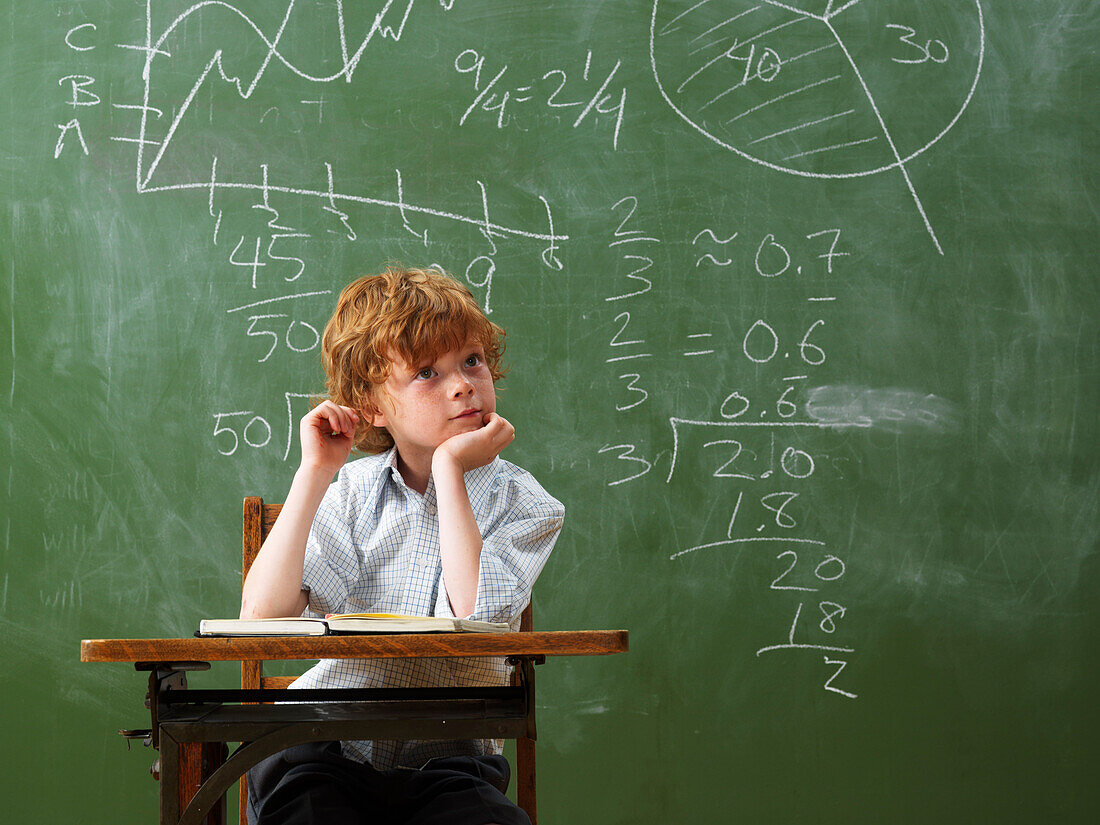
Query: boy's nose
(462, 386)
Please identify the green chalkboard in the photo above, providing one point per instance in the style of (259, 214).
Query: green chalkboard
(801, 303)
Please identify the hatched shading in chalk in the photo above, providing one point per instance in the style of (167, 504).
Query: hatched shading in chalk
(827, 89)
(820, 89)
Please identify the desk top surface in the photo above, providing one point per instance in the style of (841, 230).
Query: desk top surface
(373, 646)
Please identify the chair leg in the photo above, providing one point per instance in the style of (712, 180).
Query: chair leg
(242, 815)
(525, 776)
(194, 762)
(213, 757)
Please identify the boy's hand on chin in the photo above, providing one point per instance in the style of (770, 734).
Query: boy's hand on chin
(477, 448)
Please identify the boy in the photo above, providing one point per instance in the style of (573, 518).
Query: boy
(431, 522)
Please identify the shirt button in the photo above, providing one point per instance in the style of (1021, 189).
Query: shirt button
(430, 509)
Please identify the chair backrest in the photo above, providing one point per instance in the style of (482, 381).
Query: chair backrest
(258, 520)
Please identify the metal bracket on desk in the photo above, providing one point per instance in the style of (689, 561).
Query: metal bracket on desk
(163, 677)
(525, 670)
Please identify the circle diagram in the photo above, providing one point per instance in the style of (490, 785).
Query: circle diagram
(819, 88)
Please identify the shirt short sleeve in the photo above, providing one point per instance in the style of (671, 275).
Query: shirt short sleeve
(514, 550)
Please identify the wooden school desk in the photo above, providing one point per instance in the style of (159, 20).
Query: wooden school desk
(191, 727)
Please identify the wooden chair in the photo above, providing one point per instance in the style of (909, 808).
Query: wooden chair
(258, 520)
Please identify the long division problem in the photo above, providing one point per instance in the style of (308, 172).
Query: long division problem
(756, 449)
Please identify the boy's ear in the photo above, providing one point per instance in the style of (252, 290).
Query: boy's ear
(372, 412)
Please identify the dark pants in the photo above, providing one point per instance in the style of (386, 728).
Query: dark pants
(315, 783)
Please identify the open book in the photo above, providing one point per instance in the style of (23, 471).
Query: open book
(336, 623)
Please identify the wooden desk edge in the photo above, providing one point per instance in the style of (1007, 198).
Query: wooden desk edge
(397, 646)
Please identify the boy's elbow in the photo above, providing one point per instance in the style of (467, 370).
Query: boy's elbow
(250, 610)
(264, 608)
(252, 607)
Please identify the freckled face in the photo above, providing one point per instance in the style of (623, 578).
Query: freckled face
(424, 404)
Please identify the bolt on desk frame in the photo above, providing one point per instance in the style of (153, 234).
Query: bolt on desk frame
(190, 728)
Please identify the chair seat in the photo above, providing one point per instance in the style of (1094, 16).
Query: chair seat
(273, 682)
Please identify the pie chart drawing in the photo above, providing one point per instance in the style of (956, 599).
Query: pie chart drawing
(820, 88)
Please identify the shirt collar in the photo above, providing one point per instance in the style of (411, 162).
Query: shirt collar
(391, 473)
(479, 481)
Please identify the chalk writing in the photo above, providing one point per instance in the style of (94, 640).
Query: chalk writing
(258, 426)
(930, 49)
(499, 98)
(80, 94)
(635, 246)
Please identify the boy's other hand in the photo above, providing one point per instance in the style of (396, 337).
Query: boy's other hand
(478, 447)
(328, 434)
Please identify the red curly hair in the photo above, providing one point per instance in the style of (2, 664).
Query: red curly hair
(413, 314)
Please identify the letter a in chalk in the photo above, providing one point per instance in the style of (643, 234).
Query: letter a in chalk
(65, 127)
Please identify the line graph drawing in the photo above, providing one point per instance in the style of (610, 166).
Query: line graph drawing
(253, 51)
(820, 88)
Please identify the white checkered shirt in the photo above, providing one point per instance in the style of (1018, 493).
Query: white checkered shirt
(374, 547)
